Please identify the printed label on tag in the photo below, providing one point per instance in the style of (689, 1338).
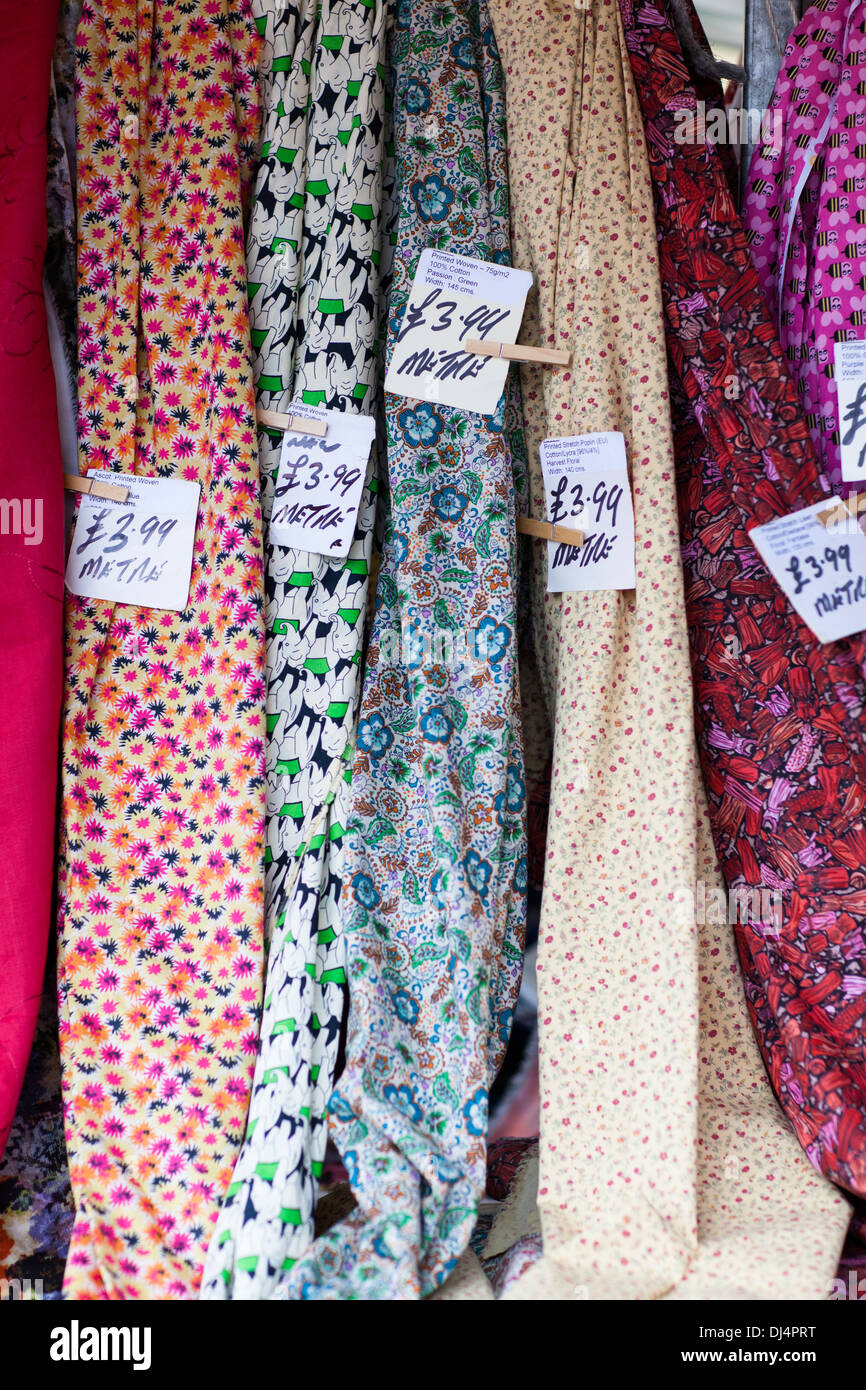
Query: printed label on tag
(822, 569)
(454, 298)
(851, 387)
(320, 482)
(586, 485)
(138, 551)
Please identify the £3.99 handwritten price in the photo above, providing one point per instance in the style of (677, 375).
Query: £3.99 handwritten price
(112, 533)
(586, 482)
(820, 568)
(320, 482)
(306, 473)
(837, 558)
(138, 551)
(604, 500)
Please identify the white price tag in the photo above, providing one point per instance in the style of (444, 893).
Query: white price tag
(454, 298)
(320, 482)
(850, 359)
(138, 551)
(586, 485)
(822, 569)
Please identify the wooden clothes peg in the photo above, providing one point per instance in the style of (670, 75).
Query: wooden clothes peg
(516, 352)
(548, 531)
(297, 424)
(93, 487)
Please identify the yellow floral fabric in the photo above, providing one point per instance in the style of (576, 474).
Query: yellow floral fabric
(163, 795)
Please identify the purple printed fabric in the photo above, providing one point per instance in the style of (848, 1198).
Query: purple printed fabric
(805, 210)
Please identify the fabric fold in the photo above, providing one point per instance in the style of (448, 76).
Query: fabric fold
(162, 822)
(435, 852)
(319, 266)
(31, 547)
(661, 1142)
(779, 717)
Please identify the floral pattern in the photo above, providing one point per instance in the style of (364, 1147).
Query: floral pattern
(779, 717)
(319, 268)
(660, 1136)
(162, 819)
(434, 916)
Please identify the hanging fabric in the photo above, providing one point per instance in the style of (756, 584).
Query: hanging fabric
(31, 547)
(319, 266)
(60, 276)
(161, 853)
(804, 207)
(662, 1149)
(436, 854)
(779, 717)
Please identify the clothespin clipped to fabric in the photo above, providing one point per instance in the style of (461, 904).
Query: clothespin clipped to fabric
(549, 531)
(516, 352)
(73, 482)
(854, 507)
(296, 424)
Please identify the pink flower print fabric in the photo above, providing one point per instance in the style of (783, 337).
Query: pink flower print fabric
(161, 871)
(805, 211)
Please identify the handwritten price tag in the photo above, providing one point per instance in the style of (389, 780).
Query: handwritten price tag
(454, 298)
(850, 359)
(320, 482)
(822, 569)
(586, 485)
(138, 551)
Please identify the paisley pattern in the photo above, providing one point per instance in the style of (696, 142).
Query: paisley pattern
(805, 207)
(318, 258)
(779, 717)
(162, 821)
(436, 855)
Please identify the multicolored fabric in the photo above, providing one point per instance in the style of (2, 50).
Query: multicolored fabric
(804, 209)
(660, 1136)
(319, 269)
(436, 852)
(163, 793)
(36, 1210)
(779, 717)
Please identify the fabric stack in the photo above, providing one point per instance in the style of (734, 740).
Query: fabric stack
(314, 819)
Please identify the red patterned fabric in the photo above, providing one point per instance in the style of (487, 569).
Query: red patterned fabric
(779, 717)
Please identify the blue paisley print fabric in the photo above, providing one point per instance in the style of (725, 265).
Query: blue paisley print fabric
(435, 850)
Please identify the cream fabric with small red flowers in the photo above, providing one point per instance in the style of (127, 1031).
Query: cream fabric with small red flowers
(162, 822)
(667, 1167)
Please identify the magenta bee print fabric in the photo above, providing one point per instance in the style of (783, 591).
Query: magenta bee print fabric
(163, 794)
(805, 214)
